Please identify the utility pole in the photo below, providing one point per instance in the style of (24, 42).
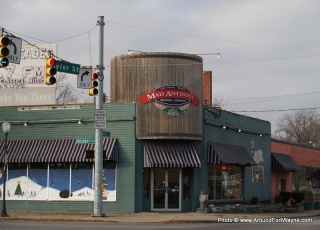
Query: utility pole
(98, 132)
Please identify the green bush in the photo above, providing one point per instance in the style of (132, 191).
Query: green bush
(308, 196)
(285, 197)
(297, 197)
(278, 199)
(254, 200)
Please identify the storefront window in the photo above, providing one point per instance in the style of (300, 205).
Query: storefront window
(225, 182)
(37, 185)
(307, 180)
(17, 187)
(59, 181)
(186, 184)
(109, 181)
(1, 179)
(146, 184)
(81, 181)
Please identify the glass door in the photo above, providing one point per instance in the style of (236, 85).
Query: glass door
(166, 184)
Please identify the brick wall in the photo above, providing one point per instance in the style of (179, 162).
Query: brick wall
(207, 88)
(303, 155)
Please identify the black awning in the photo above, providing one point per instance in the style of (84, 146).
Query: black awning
(67, 150)
(170, 154)
(219, 153)
(283, 162)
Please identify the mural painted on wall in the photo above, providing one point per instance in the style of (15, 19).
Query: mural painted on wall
(257, 154)
(172, 100)
(257, 171)
(58, 181)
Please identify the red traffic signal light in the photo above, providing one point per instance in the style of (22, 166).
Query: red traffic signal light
(94, 83)
(4, 51)
(50, 71)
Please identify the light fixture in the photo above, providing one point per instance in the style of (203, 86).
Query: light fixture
(80, 121)
(136, 51)
(261, 135)
(25, 123)
(218, 54)
(6, 128)
(224, 127)
(239, 130)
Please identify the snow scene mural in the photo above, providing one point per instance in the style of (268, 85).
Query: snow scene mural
(57, 181)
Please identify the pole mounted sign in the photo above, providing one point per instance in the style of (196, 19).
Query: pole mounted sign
(14, 47)
(84, 78)
(67, 67)
(100, 119)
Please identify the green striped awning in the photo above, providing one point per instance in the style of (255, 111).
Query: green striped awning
(220, 153)
(170, 154)
(283, 162)
(66, 150)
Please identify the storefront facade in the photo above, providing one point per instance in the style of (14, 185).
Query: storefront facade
(237, 157)
(162, 146)
(295, 168)
(48, 168)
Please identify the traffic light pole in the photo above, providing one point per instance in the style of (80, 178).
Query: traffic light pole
(98, 132)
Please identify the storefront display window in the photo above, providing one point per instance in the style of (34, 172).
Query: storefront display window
(109, 181)
(58, 181)
(307, 180)
(1, 179)
(38, 179)
(145, 188)
(81, 181)
(225, 182)
(186, 184)
(18, 188)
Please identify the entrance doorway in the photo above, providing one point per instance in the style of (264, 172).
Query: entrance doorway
(166, 193)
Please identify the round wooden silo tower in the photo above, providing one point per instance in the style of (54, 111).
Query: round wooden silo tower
(167, 88)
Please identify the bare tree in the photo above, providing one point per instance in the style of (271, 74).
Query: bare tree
(302, 127)
(64, 91)
(219, 102)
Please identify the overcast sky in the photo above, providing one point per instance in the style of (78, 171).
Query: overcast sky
(270, 49)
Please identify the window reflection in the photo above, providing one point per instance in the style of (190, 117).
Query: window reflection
(225, 182)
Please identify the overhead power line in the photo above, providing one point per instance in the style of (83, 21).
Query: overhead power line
(215, 39)
(271, 110)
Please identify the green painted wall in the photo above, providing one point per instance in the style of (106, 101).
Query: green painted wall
(213, 131)
(63, 124)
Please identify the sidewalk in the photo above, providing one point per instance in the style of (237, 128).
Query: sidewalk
(151, 217)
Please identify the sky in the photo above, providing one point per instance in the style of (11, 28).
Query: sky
(270, 50)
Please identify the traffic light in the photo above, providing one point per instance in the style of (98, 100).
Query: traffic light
(4, 51)
(50, 71)
(94, 91)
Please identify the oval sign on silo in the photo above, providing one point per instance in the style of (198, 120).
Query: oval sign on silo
(176, 95)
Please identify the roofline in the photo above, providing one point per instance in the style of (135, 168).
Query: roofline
(294, 144)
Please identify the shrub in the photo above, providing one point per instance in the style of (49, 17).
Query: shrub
(278, 199)
(297, 197)
(308, 196)
(285, 197)
(254, 200)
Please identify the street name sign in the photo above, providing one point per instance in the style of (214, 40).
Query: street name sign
(85, 141)
(67, 67)
(14, 47)
(84, 78)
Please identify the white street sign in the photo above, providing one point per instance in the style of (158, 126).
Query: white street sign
(14, 47)
(100, 115)
(100, 119)
(100, 124)
(84, 78)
